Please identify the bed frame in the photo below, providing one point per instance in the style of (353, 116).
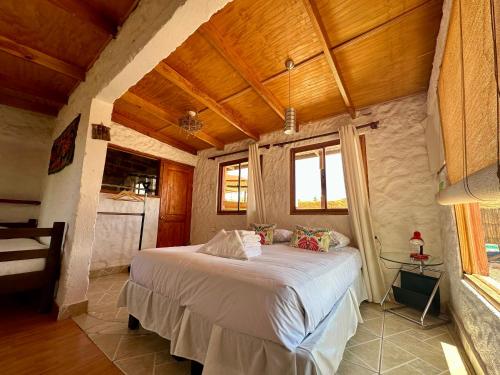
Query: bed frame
(44, 280)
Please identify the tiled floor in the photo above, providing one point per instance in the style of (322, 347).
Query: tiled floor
(383, 344)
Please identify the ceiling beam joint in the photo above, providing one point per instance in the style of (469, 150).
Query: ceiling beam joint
(217, 40)
(322, 35)
(37, 57)
(165, 116)
(188, 87)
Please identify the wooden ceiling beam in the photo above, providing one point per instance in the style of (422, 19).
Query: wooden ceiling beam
(322, 35)
(217, 40)
(30, 54)
(85, 12)
(126, 120)
(166, 116)
(33, 90)
(184, 84)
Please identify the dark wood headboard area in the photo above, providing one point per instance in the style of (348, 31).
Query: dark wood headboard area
(44, 280)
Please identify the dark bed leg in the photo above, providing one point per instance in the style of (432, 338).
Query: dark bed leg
(196, 368)
(133, 322)
(46, 299)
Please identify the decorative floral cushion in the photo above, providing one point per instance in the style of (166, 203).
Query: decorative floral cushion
(265, 231)
(315, 239)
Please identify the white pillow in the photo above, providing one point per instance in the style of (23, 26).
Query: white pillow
(3, 227)
(338, 240)
(282, 235)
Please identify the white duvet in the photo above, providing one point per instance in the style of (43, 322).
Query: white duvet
(280, 296)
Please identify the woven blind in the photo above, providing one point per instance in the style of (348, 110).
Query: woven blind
(479, 144)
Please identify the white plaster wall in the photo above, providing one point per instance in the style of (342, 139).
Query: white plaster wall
(401, 184)
(117, 237)
(25, 141)
(152, 31)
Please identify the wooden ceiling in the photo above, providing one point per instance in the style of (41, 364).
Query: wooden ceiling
(348, 55)
(47, 46)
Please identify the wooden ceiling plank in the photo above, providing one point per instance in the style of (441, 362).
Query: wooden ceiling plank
(217, 40)
(86, 13)
(381, 27)
(184, 84)
(10, 100)
(33, 90)
(164, 115)
(322, 35)
(30, 54)
(124, 120)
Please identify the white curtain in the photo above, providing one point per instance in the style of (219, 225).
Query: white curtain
(256, 208)
(359, 211)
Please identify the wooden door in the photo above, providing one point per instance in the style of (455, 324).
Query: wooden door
(176, 188)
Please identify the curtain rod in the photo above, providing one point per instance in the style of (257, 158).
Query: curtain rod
(372, 125)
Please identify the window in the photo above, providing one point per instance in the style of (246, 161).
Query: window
(127, 171)
(233, 185)
(317, 179)
(479, 235)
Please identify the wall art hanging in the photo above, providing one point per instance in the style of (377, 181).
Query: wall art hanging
(63, 148)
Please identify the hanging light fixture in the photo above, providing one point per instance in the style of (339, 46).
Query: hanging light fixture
(290, 114)
(191, 122)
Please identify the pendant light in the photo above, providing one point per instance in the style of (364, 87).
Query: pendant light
(290, 114)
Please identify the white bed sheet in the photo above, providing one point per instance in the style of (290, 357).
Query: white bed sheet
(280, 296)
(21, 266)
(224, 351)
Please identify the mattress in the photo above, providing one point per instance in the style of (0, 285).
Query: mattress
(280, 296)
(13, 267)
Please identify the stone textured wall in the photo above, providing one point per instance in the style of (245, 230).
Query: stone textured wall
(25, 141)
(400, 182)
(117, 237)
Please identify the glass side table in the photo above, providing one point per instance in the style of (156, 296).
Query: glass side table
(410, 265)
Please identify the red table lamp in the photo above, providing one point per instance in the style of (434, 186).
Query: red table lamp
(417, 242)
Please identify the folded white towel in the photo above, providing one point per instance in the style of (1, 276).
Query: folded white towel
(244, 233)
(229, 245)
(253, 251)
(250, 238)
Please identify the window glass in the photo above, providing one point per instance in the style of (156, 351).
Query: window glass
(308, 179)
(127, 171)
(243, 186)
(233, 186)
(336, 196)
(230, 183)
(490, 219)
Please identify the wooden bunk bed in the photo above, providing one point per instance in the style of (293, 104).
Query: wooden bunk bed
(43, 279)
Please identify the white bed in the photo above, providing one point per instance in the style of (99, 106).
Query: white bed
(288, 311)
(14, 267)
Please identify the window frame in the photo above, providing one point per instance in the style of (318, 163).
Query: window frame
(474, 263)
(321, 211)
(220, 211)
